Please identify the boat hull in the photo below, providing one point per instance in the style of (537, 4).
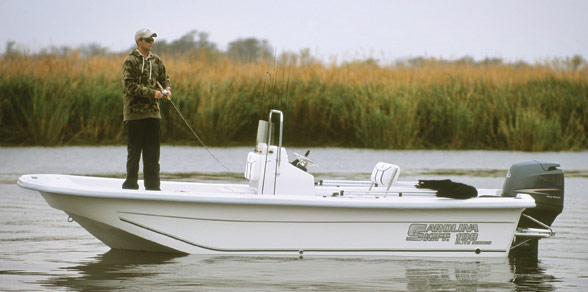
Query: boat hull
(241, 223)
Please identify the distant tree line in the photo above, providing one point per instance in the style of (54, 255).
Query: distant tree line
(572, 64)
(195, 44)
(192, 44)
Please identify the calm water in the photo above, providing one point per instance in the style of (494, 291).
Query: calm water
(41, 251)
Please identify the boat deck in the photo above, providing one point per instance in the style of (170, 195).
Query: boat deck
(323, 188)
(399, 189)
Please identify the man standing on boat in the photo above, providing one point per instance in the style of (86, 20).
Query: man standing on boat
(142, 74)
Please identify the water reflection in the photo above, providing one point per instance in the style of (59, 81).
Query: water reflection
(128, 270)
(530, 275)
(463, 277)
(110, 271)
(460, 276)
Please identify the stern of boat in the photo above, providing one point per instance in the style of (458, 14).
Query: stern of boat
(543, 181)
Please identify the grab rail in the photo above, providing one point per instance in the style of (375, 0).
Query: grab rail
(279, 154)
(351, 183)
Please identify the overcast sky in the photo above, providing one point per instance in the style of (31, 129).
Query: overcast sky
(528, 30)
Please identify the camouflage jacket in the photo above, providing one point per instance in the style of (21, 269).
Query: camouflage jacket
(139, 77)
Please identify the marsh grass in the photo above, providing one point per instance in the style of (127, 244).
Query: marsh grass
(71, 101)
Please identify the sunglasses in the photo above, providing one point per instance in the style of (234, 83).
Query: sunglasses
(149, 40)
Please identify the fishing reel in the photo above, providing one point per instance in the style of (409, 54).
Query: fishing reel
(165, 92)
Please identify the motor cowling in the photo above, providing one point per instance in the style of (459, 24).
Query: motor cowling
(544, 181)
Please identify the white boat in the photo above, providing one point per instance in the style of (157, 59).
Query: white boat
(282, 210)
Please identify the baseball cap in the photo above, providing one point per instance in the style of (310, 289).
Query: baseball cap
(144, 34)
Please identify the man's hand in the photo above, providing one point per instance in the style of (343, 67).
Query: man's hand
(168, 96)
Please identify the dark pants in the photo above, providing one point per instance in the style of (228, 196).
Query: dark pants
(143, 136)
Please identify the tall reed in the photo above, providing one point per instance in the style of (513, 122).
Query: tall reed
(71, 100)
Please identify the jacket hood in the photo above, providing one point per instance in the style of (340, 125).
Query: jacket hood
(136, 53)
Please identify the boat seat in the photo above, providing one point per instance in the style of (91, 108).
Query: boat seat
(384, 174)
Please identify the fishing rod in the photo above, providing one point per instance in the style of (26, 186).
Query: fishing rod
(283, 97)
(263, 95)
(165, 93)
(288, 82)
(276, 65)
(283, 84)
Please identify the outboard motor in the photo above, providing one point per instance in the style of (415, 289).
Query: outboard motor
(544, 181)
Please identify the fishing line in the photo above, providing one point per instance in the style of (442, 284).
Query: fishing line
(192, 130)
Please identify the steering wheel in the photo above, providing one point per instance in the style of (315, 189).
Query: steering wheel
(304, 161)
